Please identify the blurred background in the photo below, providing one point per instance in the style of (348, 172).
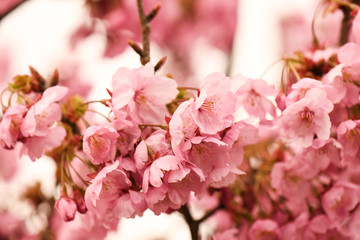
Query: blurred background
(39, 33)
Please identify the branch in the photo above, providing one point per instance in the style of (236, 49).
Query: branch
(145, 34)
(193, 225)
(11, 9)
(346, 22)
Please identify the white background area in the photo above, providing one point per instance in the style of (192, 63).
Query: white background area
(37, 34)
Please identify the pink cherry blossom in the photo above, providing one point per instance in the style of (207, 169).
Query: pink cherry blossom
(9, 163)
(155, 173)
(318, 157)
(35, 147)
(181, 182)
(253, 96)
(265, 229)
(84, 226)
(230, 234)
(10, 126)
(300, 88)
(213, 110)
(308, 117)
(322, 228)
(211, 155)
(295, 230)
(131, 204)
(105, 189)
(340, 200)
(182, 128)
(44, 113)
(348, 135)
(143, 93)
(289, 180)
(99, 143)
(66, 208)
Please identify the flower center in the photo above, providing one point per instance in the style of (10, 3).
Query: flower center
(307, 116)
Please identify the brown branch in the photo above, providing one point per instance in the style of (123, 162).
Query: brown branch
(193, 225)
(145, 34)
(346, 22)
(11, 9)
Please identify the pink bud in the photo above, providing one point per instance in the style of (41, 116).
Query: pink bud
(79, 201)
(66, 208)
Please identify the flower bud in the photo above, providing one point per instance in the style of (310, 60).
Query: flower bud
(79, 201)
(66, 208)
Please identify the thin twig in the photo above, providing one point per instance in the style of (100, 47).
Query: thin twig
(145, 34)
(346, 8)
(10, 10)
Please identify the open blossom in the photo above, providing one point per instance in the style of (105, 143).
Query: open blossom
(182, 128)
(153, 158)
(66, 208)
(44, 113)
(340, 200)
(105, 189)
(349, 136)
(213, 110)
(35, 147)
(10, 126)
(253, 96)
(265, 229)
(308, 117)
(143, 94)
(300, 88)
(322, 228)
(99, 143)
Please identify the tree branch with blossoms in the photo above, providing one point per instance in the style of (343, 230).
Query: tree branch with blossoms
(286, 168)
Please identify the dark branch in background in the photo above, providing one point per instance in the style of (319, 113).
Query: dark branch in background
(11, 9)
(346, 22)
(195, 224)
(145, 34)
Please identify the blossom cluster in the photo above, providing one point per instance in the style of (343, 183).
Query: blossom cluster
(261, 162)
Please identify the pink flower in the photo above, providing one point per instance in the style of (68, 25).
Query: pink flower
(229, 234)
(9, 163)
(143, 94)
(308, 117)
(318, 157)
(253, 96)
(340, 200)
(182, 128)
(99, 143)
(44, 113)
(213, 110)
(35, 147)
(106, 188)
(239, 135)
(289, 180)
(155, 173)
(348, 134)
(181, 182)
(265, 229)
(295, 230)
(322, 228)
(10, 126)
(300, 88)
(66, 208)
(131, 204)
(211, 156)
